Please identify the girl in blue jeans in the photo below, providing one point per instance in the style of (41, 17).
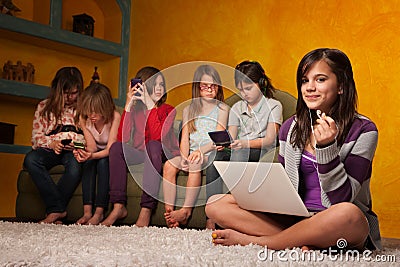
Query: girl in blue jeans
(99, 121)
(48, 149)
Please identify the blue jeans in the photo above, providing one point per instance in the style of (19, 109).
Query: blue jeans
(213, 180)
(55, 195)
(92, 193)
(248, 154)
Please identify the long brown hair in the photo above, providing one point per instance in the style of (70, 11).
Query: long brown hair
(65, 80)
(148, 75)
(345, 107)
(196, 104)
(96, 98)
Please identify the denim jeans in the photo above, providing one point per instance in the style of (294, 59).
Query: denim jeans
(213, 179)
(92, 193)
(248, 154)
(55, 195)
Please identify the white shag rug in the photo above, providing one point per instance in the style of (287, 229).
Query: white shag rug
(32, 244)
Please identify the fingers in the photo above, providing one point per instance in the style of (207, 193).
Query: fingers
(196, 157)
(326, 130)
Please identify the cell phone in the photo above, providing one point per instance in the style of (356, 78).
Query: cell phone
(221, 138)
(79, 145)
(66, 141)
(135, 81)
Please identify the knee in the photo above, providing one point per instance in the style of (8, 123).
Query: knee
(102, 163)
(350, 216)
(153, 146)
(154, 150)
(29, 159)
(169, 171)
(115, 149)
(214, 204)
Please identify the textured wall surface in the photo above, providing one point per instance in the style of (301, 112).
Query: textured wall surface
(278, 34)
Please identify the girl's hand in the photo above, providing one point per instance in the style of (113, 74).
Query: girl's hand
(184, 164)
(82, 155)
(57, 146)
(219, 148)
(239, 144)
(130, 95)
(325, 131)
(196, 157)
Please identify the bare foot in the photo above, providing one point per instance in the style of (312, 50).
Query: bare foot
(180, 216)
(210, 224)
(171, 223)
(144, 217)
(84, 219)
(96, 219)
(119, 212)
(54, 217)
(230, 237)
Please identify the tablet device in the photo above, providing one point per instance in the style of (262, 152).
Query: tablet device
(221, 138)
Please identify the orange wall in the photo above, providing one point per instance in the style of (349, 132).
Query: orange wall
(278, 34)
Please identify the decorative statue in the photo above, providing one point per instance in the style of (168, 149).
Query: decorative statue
(95, 77)
(7, 7)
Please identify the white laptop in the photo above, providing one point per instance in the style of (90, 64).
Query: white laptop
(262, 186)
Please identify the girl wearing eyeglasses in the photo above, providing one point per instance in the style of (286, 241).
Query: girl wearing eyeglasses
(206, 113)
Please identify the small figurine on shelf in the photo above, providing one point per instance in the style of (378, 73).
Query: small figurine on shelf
(8, 70)
(95, 77)
(29, 72)
(19, 71)
(7, 7)
(83, 24)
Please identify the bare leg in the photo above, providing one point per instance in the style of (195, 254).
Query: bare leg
(87, 214)
(144, 217)
(192, 190)
(54, 217)
(169, 189)
(97, 217)
(225, 212)
(119, 212)
(343, 220)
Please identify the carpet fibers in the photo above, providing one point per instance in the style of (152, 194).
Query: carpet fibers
(32, 244)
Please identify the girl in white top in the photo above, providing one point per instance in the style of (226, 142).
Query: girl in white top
(99, 121)
(254, 121)
(205, 113)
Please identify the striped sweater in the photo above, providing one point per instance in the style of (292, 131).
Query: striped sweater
(344, 172)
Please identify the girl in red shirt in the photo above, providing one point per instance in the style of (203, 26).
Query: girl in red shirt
(145, 122)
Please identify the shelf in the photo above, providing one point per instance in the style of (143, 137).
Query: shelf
(23, 89)
(14, 149)
(34, 29)
(51, 36)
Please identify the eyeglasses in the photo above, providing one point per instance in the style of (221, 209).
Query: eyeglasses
(206, 86)
(71, 93)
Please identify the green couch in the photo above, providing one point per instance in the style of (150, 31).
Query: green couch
(29, 205)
